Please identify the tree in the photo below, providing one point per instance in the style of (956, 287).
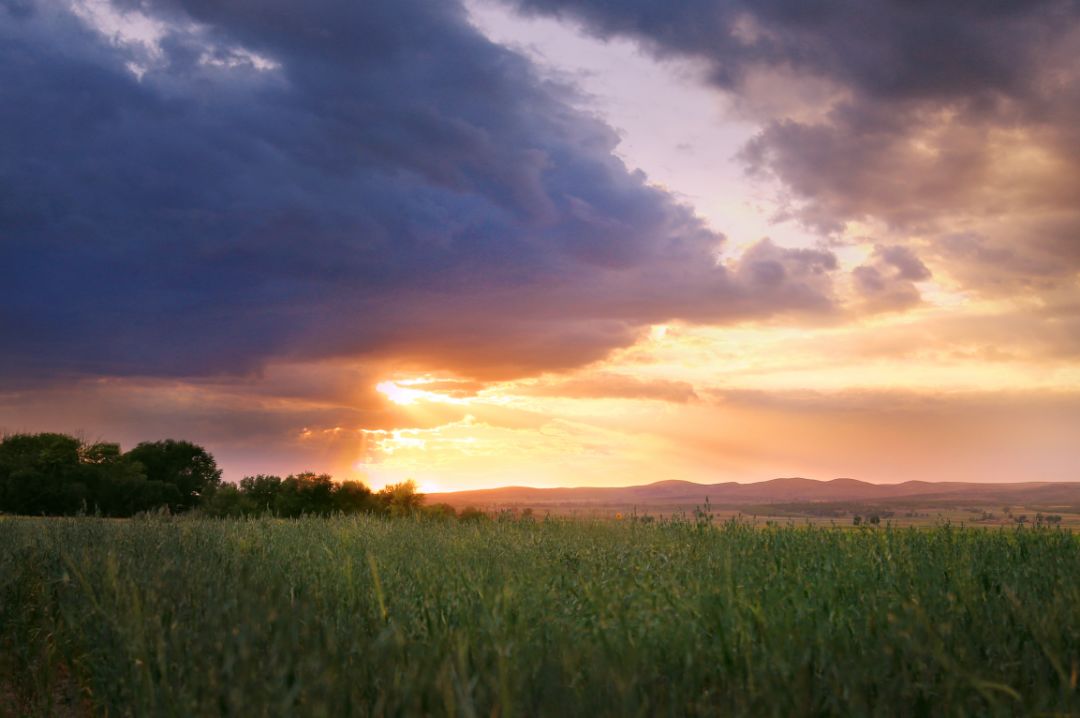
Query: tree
(305, 493)
(401, 499)
(118, 486)
(187, 466)
(444, 512)
(352, 497)
(40, 474)
(301, 494)
(471, 514)
(226, 500)
(261, 491)
(56, 474)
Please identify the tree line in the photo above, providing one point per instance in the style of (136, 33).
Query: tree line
(50, 474)
(310, 494)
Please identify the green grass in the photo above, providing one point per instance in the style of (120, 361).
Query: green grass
(366, 616)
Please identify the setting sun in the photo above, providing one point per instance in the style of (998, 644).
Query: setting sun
(399, 394)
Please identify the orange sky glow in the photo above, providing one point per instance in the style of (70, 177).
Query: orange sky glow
(924, 325)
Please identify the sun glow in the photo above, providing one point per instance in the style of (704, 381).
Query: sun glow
(399, 394)
(407, 392)
(424, 487)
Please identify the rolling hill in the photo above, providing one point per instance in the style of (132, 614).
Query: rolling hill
(775, 491)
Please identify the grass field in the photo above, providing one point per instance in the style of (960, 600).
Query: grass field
(367, 616)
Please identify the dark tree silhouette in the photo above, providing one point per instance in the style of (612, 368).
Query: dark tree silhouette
(56, 474)
(303, 494)
(353, 497)
(119, 485)
(40, 474)
(187, 466)
(261, 491)
(306, 493)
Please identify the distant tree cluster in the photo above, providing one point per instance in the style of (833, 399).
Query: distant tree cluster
(1042, 519)
(56, 475)
(310, 494)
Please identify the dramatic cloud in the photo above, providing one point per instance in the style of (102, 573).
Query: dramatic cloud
(888, 281)
(197, 187)
(364, 237)
(952, 125)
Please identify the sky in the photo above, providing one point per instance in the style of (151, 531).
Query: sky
(547, 242)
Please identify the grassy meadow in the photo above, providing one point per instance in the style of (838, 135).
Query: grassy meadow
(373, 616)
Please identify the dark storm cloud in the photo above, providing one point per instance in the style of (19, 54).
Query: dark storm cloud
(936, 119)
(881, 47)
(261, 180)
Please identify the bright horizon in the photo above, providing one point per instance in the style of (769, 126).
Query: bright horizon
(541, 243)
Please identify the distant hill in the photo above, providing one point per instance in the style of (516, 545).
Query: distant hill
(775, 491)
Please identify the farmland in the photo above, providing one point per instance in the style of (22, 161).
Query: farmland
(367, 615)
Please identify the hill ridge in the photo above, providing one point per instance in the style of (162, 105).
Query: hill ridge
(778, 490)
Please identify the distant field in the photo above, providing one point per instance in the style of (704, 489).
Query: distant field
(897, 515)
(371, 616)
(828, 503)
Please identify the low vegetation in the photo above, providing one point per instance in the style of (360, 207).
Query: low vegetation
(363, 615)
(58, 475)
(310, 494)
